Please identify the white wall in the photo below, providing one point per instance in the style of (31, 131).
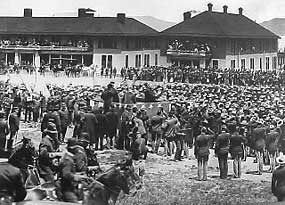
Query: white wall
(247, 58)
(118, 60)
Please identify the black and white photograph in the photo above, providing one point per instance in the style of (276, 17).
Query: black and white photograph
(142, 102)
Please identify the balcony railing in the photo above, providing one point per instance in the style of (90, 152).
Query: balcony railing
(187, 53)
(48, 48)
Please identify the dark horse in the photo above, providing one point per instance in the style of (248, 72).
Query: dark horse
(110, 183)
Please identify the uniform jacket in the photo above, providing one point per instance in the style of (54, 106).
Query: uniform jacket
(4, 130)
(11, 182)
(202, 145)
(14, 122)
(222, 143)
(51, 116)
(236, 143)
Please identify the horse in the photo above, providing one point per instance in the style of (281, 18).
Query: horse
(108, 185)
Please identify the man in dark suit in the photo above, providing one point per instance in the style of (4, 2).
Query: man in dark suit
(14, 124)
(89, 123)
(113, 121)
(236, 151)
(278, 179)
(101, 128)
(222, 150)
(11, 183)
(259, 136)
(4, 131)
(202, 152)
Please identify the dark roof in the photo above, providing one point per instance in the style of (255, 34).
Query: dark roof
(103, 26)
(218, 24)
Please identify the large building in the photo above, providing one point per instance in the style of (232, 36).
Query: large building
(215, 39)
(220, 39)
(101, 41)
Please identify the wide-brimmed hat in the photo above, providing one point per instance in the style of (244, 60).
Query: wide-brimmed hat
(84, 137)
(51, 128)
(281, 159)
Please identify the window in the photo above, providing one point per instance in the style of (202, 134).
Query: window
(267, 63)
(242, 63)
(138, 61)
(233, 63)
(155, 59)
(274, 62)
(103, 61)
(260, 63)
(251, 63)
(215, 63)
(109, 63)
(146, 59)
(127, 61)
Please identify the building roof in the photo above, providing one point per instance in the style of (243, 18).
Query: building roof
(93, 26)
(219, 24)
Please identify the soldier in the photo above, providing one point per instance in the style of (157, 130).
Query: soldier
(278, 179)
(222, 149)
(236, 151)
(101, 128)
(112, 121)
(63, 114)
(12, 186)
(48, 145)
(202, 152)
(68, 173)
(4, 131)
(259, 136)
(14, 124)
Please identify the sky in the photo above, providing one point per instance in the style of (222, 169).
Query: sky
(169, 10)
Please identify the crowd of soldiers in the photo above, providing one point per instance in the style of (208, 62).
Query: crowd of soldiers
(188, 74)
(228, 118)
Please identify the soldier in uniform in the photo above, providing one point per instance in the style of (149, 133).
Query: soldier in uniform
(48, 145)
(202, 152)
(68, 173)
(259, 136)
(14, 124)
(4, 131)
(278, 179)
(11, 183)
(236, 151)
(222, 150)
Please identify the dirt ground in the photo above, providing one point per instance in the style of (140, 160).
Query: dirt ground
(170, 182)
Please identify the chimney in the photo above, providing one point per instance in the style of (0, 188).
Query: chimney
(28, 13)
(81, 12)
(121, 17)
(187, 15)
(225, 7)
(240, 11)
(210, 7)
